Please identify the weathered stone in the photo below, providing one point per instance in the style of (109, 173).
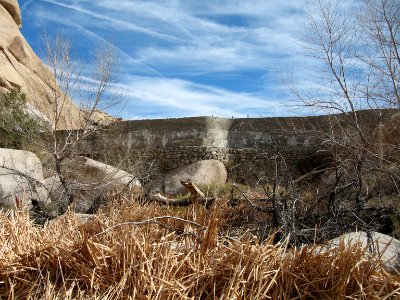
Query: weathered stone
(55, 190)
(83, 200)
(385, 246)
(201, 173)
(21, 178)
(13, 9)
(89, 181)
(79, 218)
(9, 75)
(102, 118)
(91, 171)
(20, 67)
(4, 84)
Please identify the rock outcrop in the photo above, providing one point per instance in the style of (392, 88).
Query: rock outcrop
(102, 118)
(13, 9)
(21, 68)
(21, 179)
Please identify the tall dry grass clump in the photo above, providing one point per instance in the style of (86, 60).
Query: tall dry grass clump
(129, 251)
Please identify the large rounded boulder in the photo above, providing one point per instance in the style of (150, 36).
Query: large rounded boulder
(89, 181)
(202, 173)
(92, 172)
(21, 178)
(386, 247)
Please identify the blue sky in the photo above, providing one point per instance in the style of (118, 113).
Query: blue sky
(188, 57)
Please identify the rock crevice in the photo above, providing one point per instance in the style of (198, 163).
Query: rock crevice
(12, 8)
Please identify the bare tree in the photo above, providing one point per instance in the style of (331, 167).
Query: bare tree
(356, 49)
(70, 125)
(380, 21)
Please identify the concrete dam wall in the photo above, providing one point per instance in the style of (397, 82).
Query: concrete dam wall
(214, 132)
(241, 144)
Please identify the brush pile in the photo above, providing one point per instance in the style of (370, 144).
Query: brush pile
(131, 251)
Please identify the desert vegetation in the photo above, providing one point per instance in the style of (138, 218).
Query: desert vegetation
(130, 251)
(265, 237)
(17, 125)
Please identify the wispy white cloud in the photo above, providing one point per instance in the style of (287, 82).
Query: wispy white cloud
(210, 45)
(198, 41)
(25, 5)
(168, 97)
(192, 52)
(116, 23)
(99, 40)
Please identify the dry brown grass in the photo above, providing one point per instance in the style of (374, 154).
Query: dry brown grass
(110, 258)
